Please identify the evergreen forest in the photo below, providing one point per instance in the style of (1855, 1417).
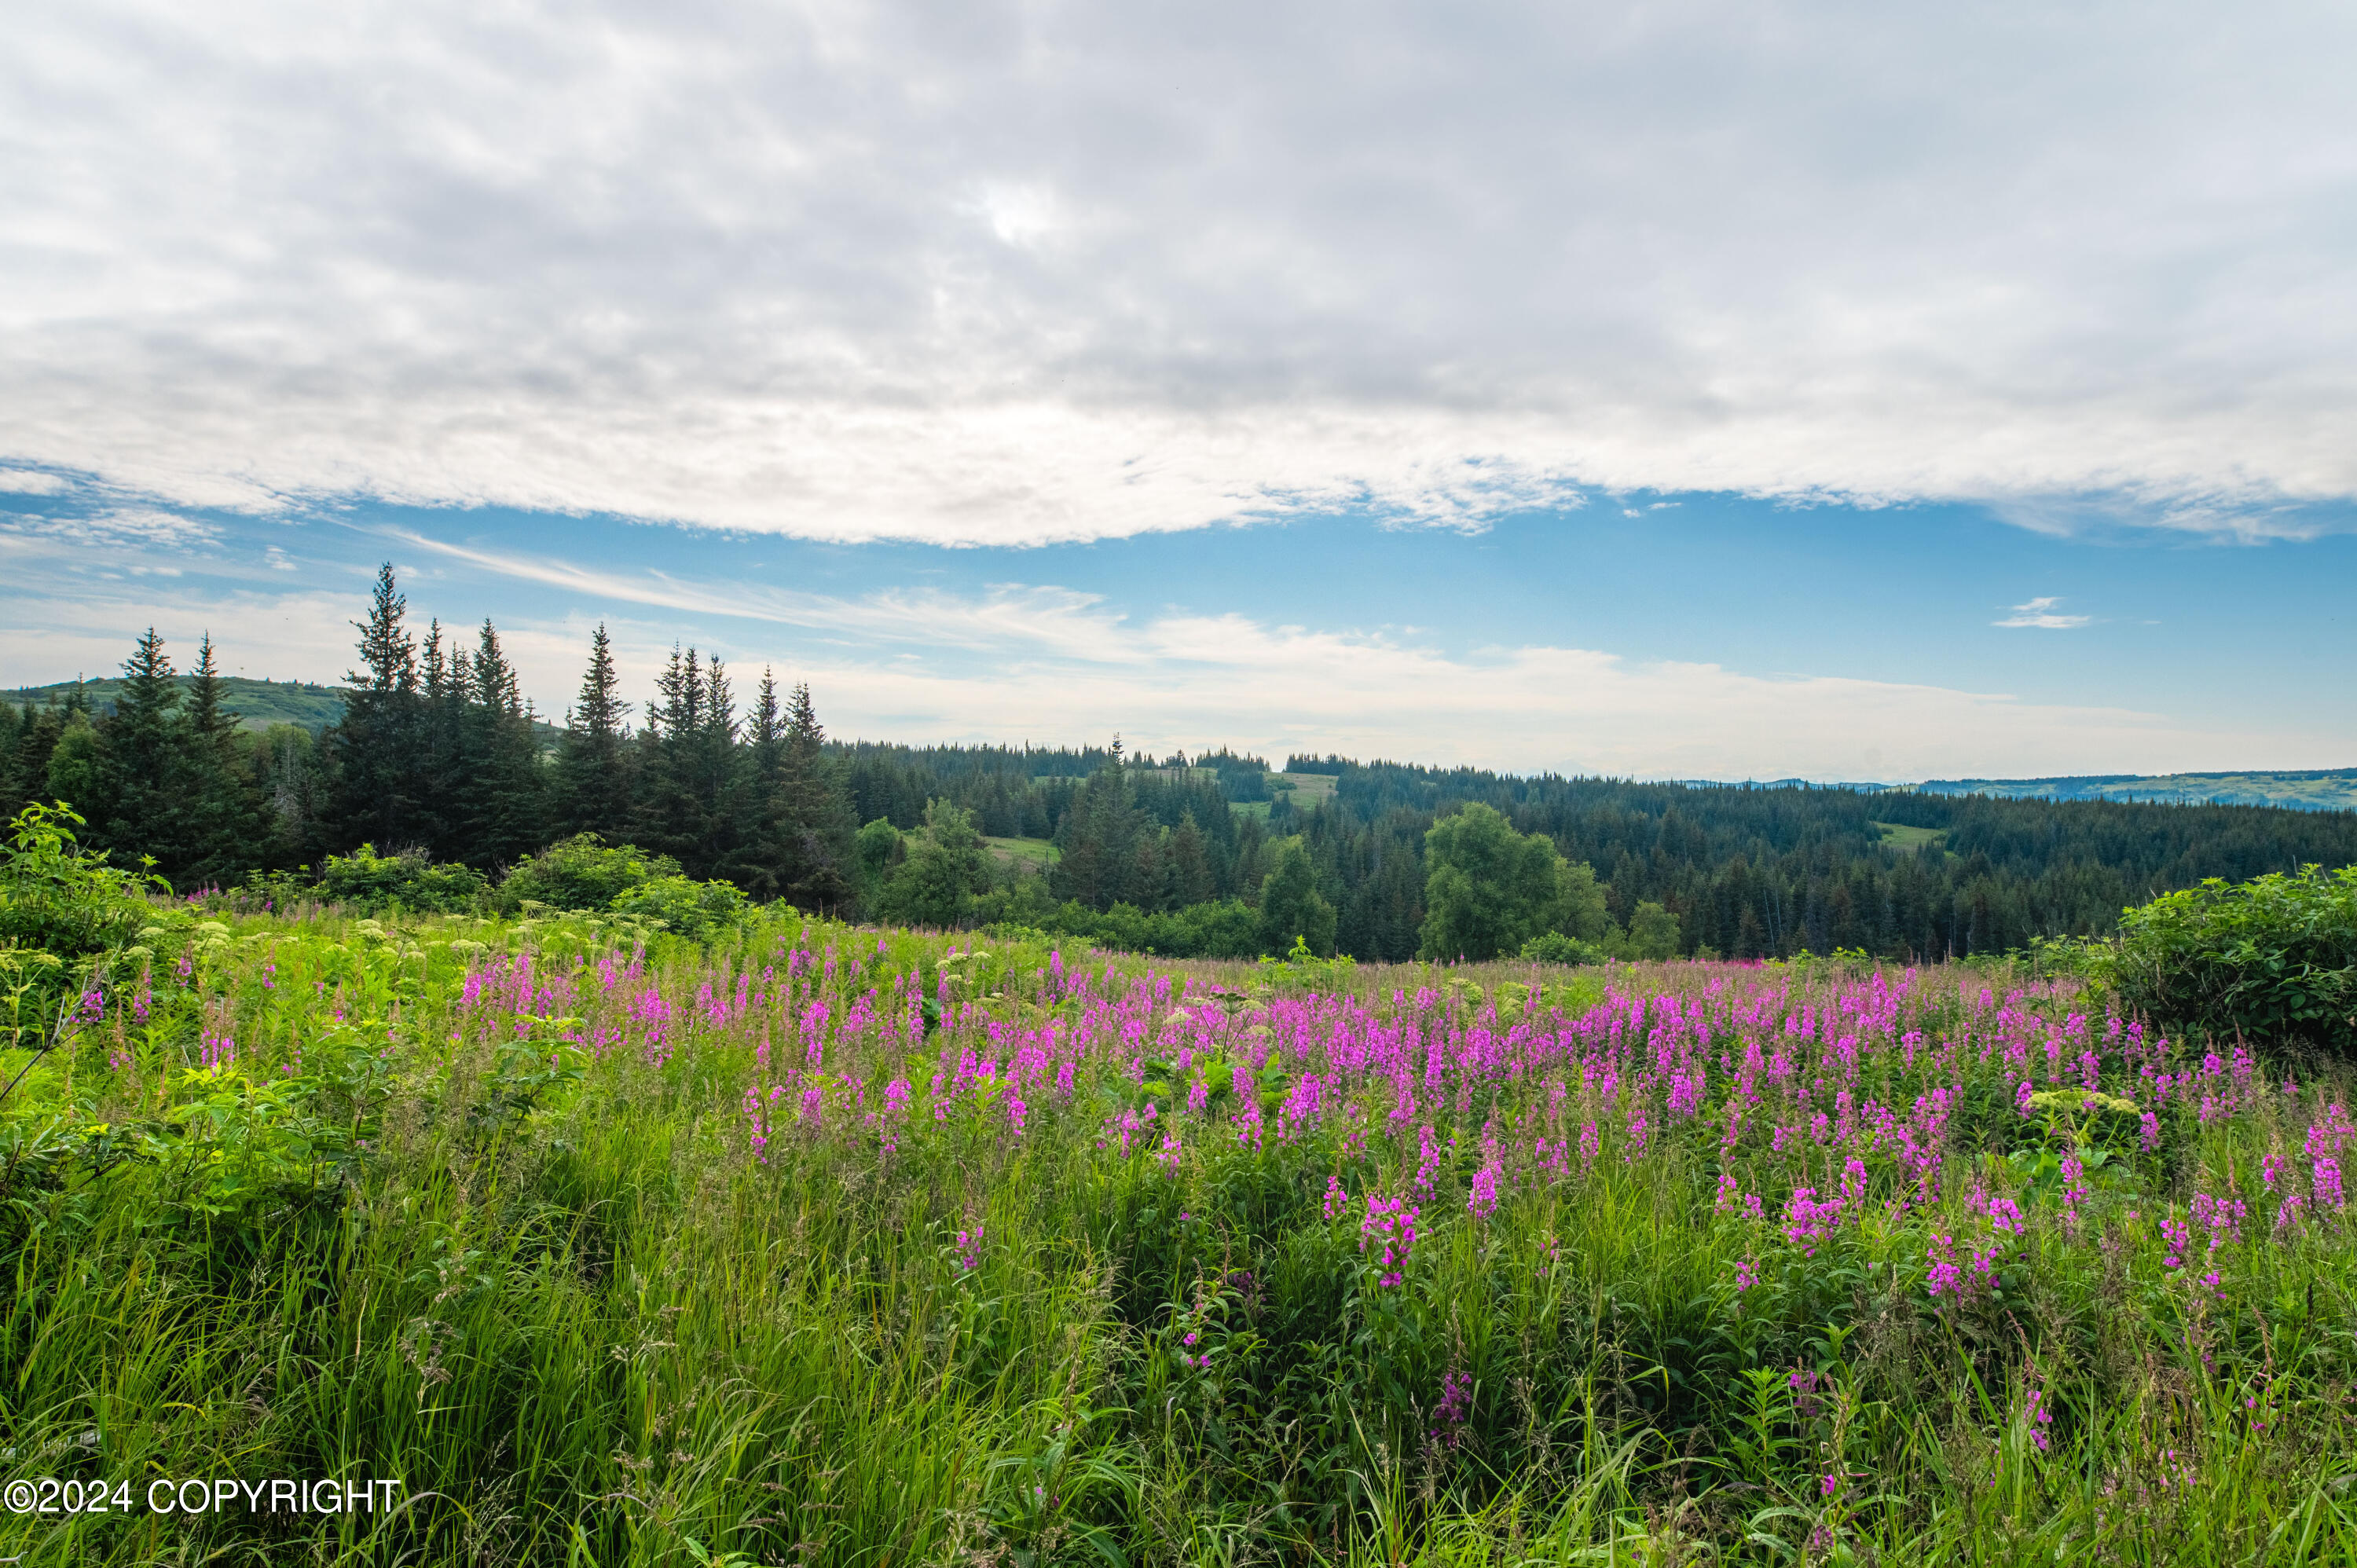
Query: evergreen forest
(439, 758)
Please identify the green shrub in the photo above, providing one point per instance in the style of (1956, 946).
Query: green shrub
(686, 907)
(581, 873)
(1553, 946)
(2273, 959)
(56, 896)
(367, 880)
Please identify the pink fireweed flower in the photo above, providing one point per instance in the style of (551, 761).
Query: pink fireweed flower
(1387, 1234)
(2180, 1238)
(2327, 1172)
(1482, 1202)
(2074, 1188)
(1456, 1404)
(2040, 1414)
(1808, 1222)
(1943, 1277)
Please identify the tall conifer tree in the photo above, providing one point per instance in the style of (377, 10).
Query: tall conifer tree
(372, 751)
(136, 789)
(814, 809)
(225, 828)
(593, 767)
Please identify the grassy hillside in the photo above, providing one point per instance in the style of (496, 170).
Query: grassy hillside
(1898, 835)
(1307, 791)
(257, 703)
(1032, 854)
(2319, 789)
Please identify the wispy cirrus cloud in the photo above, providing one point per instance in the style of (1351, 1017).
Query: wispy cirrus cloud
(1016, 614)
(2040, 613)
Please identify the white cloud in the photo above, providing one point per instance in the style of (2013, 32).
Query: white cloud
(1016, 273)
(136, 529)
(2042, 613)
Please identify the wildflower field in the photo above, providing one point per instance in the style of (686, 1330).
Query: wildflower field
(817, 1244)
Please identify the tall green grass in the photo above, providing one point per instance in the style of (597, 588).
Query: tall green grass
(502, 1249)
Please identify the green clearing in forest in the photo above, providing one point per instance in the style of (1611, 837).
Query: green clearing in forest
(1035, 854)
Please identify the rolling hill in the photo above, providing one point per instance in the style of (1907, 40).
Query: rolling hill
(2321, 789)
(257, 703)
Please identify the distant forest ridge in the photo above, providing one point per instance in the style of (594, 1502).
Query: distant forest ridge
(2315, 790)
(314, 705)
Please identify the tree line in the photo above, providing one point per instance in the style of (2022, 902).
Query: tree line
(439, 756)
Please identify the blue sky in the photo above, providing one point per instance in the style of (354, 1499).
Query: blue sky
(1681, 636)
(1830, 389)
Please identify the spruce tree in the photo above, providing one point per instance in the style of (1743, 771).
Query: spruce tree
(373, 750)
(37, 730)
(441, 764)
(136, 790)
(501, 760)
(1190, 866)
(225, 827)
(814, 809)
(762, 861)
(666, 818)
(1102, 864)
(593, 772)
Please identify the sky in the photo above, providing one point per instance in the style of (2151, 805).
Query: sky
(1677, 390)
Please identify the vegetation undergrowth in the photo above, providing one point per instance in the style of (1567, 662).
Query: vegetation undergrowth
(811, 1244)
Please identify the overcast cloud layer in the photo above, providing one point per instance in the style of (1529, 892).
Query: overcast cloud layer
(1002, 273)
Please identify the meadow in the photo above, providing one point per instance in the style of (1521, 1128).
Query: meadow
(817, 1243)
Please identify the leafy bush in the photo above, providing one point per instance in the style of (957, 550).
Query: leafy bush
(686, 906)
(58, 897)
(581, 873)
(2271, 959)
(1553, 946)
(367, 880)
(1227, 928)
